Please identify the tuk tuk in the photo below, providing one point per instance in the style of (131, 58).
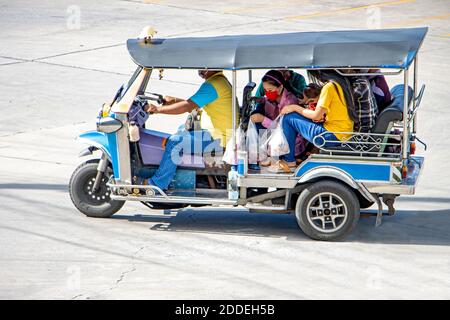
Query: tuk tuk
(326, 191)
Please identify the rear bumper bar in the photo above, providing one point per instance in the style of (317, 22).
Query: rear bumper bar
(408, 184)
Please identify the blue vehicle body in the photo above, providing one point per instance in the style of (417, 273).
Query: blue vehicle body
(358, 171)
(106, 142)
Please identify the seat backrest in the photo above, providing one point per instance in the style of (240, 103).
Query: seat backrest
(246, 108)
(386, 118)
(393, 112)
(397, 94)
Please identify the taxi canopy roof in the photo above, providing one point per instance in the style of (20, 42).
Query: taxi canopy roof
(388, 48)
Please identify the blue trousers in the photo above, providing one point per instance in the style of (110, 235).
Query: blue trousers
(294, 123)
(186, 142)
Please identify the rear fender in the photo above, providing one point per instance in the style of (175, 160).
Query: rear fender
(338, 174)
(328, 172)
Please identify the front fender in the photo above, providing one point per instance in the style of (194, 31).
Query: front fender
(107, 143)
(96, 139)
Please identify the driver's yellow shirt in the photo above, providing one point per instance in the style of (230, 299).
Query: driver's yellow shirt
(214, 99)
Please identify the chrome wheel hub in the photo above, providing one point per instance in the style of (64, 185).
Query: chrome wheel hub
(101, 195)
(327, 212)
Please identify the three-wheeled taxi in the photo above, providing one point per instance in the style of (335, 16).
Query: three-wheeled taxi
(326, 191)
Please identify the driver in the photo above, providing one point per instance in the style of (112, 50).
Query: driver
(214, 99)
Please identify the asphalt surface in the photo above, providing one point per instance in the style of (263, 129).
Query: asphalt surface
(60, 60)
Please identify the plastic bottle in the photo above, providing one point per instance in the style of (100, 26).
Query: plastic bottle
(242, 163)
(233, 192)
(133, 131)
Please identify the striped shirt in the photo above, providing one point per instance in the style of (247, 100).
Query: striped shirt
(365, 104)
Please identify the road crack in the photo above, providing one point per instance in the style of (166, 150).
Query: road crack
(126, 272)
(121, 277)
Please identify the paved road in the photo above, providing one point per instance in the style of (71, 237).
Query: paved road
(59, 61)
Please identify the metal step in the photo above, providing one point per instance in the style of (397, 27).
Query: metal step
(271, 208)
(176, 199)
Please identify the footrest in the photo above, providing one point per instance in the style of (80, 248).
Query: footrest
(262, 207)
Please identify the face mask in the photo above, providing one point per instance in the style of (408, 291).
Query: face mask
(271, 95)
(312, 105)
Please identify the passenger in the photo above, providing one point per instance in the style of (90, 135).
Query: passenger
(380, 90)
(214, 99)
(296, 81)
(278, 94)
(334, 98)
(311, 95)
(366, 108)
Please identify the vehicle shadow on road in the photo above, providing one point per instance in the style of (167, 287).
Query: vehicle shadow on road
(34, 186)
(422, 227)
(222, 221)
(406, 227)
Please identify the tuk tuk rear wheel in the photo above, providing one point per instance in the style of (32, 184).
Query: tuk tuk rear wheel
(327, 210)
(93, 204)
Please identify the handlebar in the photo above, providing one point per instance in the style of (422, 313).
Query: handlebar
(137, 112)
(257, 99)
(158, 97)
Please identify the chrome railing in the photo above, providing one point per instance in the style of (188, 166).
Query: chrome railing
(361, 144)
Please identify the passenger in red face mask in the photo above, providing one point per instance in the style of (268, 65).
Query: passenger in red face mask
(277, 94)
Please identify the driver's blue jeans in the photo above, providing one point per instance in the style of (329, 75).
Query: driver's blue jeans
(184, 143)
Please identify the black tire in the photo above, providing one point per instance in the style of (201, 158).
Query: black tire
(363, 202)
(331, 221)
(98, 205)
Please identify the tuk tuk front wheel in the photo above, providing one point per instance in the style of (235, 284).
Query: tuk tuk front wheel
(327, 210)
(93, 204)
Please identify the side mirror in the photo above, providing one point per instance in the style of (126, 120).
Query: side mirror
(109, 125)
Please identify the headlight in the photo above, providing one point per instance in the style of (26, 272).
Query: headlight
(106, 108)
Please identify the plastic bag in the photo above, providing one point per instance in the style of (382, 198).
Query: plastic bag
(229, 156)
(264, 141)
(251, 143)
(277, 144)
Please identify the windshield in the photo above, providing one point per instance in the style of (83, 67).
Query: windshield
(124, 87)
